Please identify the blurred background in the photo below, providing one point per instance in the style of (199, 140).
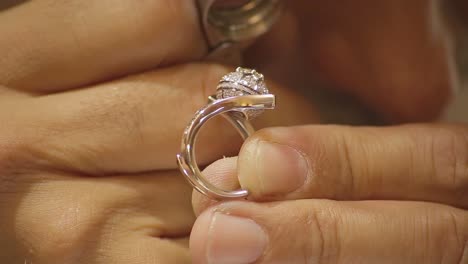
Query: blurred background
(365, 62)
(457, 14)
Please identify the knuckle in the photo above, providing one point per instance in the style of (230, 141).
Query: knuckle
(324, 244)
(124, 110)
(14, 152)
(354, 167)
(58, 228)
(46, 236)
(170, 15)
(450, 159)
(453, 234)
(77, 138)
(8, 150)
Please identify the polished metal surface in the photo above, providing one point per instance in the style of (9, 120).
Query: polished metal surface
(236, 21)
(241, 96)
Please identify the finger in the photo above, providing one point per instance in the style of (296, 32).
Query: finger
(57, 45)
(131, 125)
(61, 218)
(412, 162)
(320, 231)
(395, 56)
(222, 174)
(7, 94)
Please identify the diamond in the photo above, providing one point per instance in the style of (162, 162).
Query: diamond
(245, 70)
(261, 87)
(242, 82)
(248, 80)
(245, 81)
(232, 77)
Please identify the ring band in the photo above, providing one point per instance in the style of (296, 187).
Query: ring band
(240, 96)
(235, 22)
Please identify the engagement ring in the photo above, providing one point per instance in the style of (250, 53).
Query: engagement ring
(240, 96)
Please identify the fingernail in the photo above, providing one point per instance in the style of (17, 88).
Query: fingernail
(280, 169)
(233, 239)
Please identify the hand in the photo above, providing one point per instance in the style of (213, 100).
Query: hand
(362, 195)
(333, 194)
(87, 156)
(396, 57)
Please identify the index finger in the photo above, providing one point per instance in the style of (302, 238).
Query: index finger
(57, 45)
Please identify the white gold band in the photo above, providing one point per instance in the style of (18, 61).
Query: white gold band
(241, 95)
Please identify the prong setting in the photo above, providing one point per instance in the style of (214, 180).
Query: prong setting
(248, 100)
(243, 81)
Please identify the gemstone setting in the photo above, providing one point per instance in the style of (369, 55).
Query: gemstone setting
(242, 82)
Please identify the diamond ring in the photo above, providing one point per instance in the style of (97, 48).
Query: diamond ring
(240, 96)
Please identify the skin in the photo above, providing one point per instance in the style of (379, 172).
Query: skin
(337, 194)
(334, 194)
(87, 143)
(91, 122)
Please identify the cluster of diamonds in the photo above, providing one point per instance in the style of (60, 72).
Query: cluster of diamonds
(241, 82)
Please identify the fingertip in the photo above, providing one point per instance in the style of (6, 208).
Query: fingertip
(270, 168)
(199, 236)
(219, 237)
(247, 171)
(222, 174)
